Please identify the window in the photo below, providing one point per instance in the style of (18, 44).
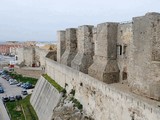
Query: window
(119, 49)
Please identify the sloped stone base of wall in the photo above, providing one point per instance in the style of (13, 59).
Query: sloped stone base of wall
(44, 99)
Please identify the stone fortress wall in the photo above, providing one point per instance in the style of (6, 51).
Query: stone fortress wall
(40, 56)
(31, 55)
(122, 59)
(117, 52)
(25, 55)
(100, 100)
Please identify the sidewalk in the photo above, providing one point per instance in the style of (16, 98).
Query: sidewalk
(3, 112)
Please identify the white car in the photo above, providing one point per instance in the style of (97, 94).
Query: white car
(10, 80)
(14, 82)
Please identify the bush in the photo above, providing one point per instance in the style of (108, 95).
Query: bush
(72, 92)
(76, 103)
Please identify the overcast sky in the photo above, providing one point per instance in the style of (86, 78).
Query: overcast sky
(24, 20)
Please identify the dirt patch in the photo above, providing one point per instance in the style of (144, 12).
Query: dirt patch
(29, 72)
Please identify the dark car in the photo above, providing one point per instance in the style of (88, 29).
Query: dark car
(5, 99)
(8, 77)
(23, 85)
(5, 76)
(24, 92)
(1, 90)
(27, 85)
(18, 97)
(11, 98)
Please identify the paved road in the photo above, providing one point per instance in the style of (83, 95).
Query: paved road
(9, 90)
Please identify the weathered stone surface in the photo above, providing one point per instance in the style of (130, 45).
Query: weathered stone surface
(105, 67)
(71, 47)
(123, 47)
(140, 59)
(61, 44)
(40, 55)
(29, 56)
(66, 110)
(26, 55)
(144, 66)
(104, 101)
(84, 57)
(44, 99)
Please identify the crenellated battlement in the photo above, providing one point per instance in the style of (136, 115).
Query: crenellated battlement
(105, 65)
(116, 52)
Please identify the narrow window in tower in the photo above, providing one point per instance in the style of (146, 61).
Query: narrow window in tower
(120, 49)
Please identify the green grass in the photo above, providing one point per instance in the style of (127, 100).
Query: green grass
(15, 109)
(56, 85)
(14, 112)
(21, 78)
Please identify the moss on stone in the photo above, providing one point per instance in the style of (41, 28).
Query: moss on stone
(52, 82)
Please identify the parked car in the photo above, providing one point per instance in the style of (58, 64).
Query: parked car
(3, 75)
(8, 78)
(11, 98)
(1, 71)
(1, 90)
(23, 85)
(14, 82)
(27, 85)
(5, 99)
(19, 84)
(18, 97)
(24, 92)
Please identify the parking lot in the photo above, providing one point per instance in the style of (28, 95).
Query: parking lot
(9, 90)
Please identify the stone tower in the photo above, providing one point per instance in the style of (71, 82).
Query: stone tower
(71, 46)
(104, 67)
(84, 57)
(144, 64)
(61, 44)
